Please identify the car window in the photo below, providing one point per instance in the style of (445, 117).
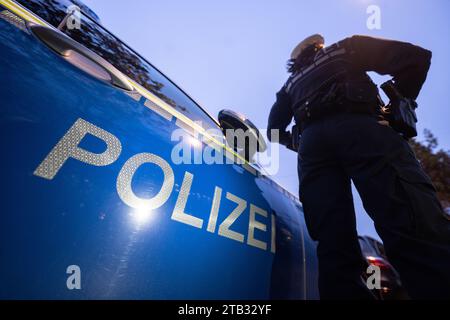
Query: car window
(54, 11)
(92, 35)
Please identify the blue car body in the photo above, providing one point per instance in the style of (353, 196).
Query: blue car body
(78, 216)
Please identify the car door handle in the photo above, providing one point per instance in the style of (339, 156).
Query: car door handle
(81, 56)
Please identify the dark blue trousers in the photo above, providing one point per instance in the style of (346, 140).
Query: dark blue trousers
(396, 193)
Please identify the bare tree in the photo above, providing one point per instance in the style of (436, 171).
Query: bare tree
(436, 163)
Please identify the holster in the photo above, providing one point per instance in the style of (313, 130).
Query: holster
(402, 114)
(403, 117)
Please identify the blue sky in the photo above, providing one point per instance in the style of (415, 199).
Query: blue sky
(232, 54)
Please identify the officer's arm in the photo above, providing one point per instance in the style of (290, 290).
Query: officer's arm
(280, 117)
(406, 63)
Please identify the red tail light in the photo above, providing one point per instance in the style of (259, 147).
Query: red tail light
(379, 262)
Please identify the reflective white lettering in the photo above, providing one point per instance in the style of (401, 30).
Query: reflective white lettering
(224, 228)
(68, 147)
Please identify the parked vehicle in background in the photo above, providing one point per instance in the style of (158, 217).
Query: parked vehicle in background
(391, 286)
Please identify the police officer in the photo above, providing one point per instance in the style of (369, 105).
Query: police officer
(344, 138)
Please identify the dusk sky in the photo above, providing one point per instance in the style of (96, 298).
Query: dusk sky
(232, 54)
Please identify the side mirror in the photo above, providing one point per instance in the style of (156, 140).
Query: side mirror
(241, 134)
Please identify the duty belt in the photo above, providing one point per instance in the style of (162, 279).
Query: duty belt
(309, 112)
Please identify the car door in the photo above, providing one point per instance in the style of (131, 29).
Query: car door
(97, 203)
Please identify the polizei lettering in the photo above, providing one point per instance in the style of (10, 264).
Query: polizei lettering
(68, 147)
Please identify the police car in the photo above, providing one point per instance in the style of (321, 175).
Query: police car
(93, 204)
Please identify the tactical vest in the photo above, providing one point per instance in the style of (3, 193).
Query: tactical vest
(331, 84)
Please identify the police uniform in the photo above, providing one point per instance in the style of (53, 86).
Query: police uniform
(335, 104)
